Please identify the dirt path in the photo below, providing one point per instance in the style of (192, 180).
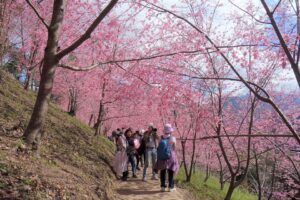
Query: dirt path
(136, 189)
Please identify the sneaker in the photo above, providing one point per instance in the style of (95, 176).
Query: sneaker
(162, 189)
(137, 168)
(172, 189)
(144, 179)
(154, 177)
(134, 176)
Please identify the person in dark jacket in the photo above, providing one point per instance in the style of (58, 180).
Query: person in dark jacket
(131, 151)
(138, 135)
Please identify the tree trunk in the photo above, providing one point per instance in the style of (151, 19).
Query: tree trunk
(206, 173)
(183, 142)
(230, 189)
(31, 69)
(3, 31)
(221, 174)
(99, 123)
(272, 179)
(189, 177)
(51, 59)
(258, 177)
(194, 170)
(27, 83)
(91, 119)
(50, 62)
(221, 182)
(41, 104)
(72, 107)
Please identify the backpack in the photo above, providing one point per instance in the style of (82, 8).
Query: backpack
(164, 149)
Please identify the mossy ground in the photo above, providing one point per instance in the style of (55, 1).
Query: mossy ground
(73, 164)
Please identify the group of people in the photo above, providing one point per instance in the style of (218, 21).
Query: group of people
(140, 148)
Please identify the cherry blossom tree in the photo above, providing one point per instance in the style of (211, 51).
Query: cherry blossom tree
(53, 54)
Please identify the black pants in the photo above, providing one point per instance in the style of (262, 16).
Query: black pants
(137, 156)
(163, 178)
(125, 176)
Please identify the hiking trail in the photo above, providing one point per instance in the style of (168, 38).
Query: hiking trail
(136, 189)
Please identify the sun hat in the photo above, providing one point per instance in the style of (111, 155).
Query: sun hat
(151, 125)
(142, 131)
(168, 129)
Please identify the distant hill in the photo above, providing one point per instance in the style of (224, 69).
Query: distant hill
(235, 102)
(73, 164)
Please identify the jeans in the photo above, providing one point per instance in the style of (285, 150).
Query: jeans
(131, 160)
(163, 178)
(150, 155)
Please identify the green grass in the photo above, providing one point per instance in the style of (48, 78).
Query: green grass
(211, 189)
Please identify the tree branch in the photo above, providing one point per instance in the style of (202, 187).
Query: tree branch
(215, 78)
(37, 13)
(261, 98)
(118, 117)
(75, 68)
(276, 6)
(282, 42)
(89, 31)
(162, 55)
(245, 11)
(241, 135)
(118, 65)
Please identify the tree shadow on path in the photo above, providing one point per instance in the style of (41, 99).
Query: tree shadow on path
(136, 189)
(128, 191)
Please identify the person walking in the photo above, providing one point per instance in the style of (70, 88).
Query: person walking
(131, 151)
(150, 140)
(121, 159)
(139, 148)
(141, 151)
(167, 161)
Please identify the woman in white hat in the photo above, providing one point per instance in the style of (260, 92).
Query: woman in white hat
(167, 161)
(121, 159)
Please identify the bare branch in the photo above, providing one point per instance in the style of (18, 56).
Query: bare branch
(245, 11)
(118, 117)
(199, 51)
(89, 31)
(215, 78)
(241, 135)
(118, 65)
(293, 6)
(276, 6)
(283, 44)
(37, 13)
(154, 56)
(75, 68)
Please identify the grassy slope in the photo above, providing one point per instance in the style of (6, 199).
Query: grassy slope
(211, 189)
(73, 163)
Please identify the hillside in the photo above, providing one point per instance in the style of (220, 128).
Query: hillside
(73, 164)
